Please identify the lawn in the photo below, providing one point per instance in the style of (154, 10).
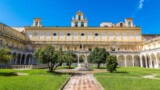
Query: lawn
(130, 78)
(37, 79)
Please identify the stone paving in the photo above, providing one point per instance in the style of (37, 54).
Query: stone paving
(82, 81)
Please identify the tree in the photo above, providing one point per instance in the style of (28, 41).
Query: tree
(49, 56)
(69, 58)
(5, 55)
(61, 56)
(111, 63)
(98, 56)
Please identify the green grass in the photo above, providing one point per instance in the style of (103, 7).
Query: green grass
(129, 78)
(38, 79)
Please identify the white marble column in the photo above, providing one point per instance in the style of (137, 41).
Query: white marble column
(132, 60)
(150, 61)
(146, 62)
(125, 61)
(16, 59)
(21, 59)
(25, 59)
(29, 61)
(157, 62)
(78, 59)
(141, 62)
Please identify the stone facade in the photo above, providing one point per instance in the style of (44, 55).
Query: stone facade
(123, 39)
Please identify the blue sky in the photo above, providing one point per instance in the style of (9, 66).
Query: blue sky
(146, 13)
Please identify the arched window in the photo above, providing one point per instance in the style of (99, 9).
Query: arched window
(121, 24)
(82, 24)
(129, 24)
(105, 26)
(36, 23)
(76, 24)
(79, 17)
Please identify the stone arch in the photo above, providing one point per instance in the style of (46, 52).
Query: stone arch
(121, 60)
(136, 60)
(129, 60)
(148, 60)
(153, 59)
(29, 59)
(19, 58)
(82, 58)
(143, 61)
(14, 57)
(121, 24)
(23, 59)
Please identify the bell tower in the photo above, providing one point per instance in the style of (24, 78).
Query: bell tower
(37, 22)
(79, 20)
(129, 22)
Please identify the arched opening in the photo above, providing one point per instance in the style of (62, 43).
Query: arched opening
(148, 59)
(136, 60)
(121, 60)
(129, 60)
(19, 59)
(76, 24)
(79, 17)
(29, 59)
(14, 58)
(82, 24)
(23, 59)
(143, 61)
(121, 24)
(82, 58)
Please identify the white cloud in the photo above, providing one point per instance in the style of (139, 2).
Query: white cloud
(140, 4)
(138, 8)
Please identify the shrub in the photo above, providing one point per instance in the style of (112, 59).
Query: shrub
(111, 63)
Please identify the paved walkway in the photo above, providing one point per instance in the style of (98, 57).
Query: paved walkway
(82, 81)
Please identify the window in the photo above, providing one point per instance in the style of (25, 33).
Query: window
(105, 26)
(121, 24)
(76, 24)
(112, 49)
(82, 24)
(80, 46)
(96, 34)
(82, 34)
(48, 34)
(68, 34)
(36, 23)
(89, 49)
(54, 34)
(35, 34)
(129, 24)
(79, 17)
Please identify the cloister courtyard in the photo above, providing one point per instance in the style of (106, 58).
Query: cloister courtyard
(125, 78)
